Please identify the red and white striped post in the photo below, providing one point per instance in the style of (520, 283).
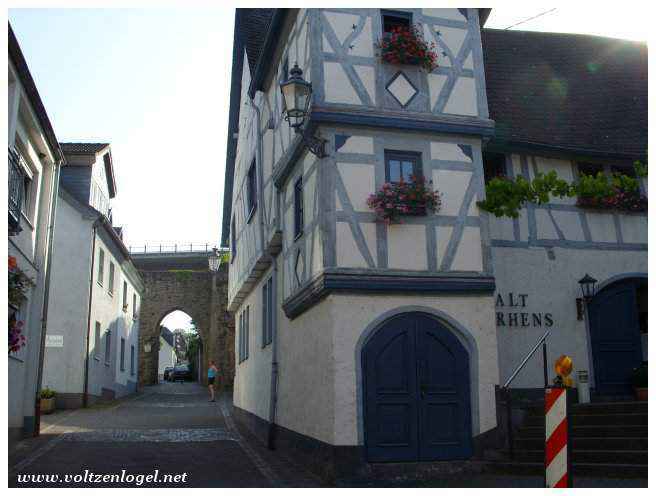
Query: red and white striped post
(556, 452)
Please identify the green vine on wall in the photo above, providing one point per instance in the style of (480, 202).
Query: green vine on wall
(182, 275)
(505, 197)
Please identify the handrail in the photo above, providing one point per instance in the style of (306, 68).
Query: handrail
(527, 358)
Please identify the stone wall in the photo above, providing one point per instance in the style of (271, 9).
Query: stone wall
(200, 294)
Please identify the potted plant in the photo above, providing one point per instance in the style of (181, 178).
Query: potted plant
(395, 199)
(47, 400)
(406, 45)
(639, 380)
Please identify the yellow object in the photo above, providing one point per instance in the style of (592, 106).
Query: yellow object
(563, 366)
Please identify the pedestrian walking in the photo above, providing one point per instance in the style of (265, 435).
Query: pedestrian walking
(211, 377)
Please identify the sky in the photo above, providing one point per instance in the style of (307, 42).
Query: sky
(155, 84)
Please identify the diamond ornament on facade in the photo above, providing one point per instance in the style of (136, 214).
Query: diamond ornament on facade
(401, 89)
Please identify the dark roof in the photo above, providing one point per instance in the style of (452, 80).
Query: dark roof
(573, 93)
(92, 149)
(83, 148)
(254, 27)
(167, 335)
(16, 56)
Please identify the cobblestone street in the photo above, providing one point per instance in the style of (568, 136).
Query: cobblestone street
(171, 428)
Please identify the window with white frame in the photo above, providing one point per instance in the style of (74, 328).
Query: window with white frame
(101, 266)
(110, 284)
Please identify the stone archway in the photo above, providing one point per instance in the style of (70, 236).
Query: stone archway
(182, 281)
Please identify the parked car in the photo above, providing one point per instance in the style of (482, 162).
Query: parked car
(168, 376)
(181, 372)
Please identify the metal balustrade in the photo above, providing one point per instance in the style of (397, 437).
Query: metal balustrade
(173, 247)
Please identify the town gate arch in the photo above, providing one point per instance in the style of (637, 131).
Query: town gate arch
(183, 281)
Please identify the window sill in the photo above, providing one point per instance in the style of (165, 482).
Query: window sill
(27, 219)
(251, 214)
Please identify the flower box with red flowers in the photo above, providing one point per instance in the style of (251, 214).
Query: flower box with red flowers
(406, 45)
(396, 199)
(622, 200)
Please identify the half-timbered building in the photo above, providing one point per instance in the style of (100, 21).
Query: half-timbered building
(366, 341)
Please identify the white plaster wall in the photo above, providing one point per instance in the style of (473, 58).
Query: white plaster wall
(107, 309)
(306, 383)
(317, 383)
(30, 247)
(63, 368)
(252, 384)
(552, 287)
(406, 247)
(166, 357)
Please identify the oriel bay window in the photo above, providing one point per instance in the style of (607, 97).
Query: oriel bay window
(402, 165)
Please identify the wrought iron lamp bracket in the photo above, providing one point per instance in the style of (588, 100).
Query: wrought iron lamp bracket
(316, 145)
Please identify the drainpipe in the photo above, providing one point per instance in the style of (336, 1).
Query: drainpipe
(46, 294)
(273, 394)
(85, 392)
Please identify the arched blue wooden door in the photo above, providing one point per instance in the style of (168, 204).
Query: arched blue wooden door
(615, 337)
(416, 392)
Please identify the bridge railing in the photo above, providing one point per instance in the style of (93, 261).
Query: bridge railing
(173, 247)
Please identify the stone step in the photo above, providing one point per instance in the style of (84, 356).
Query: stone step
(595, 419)
(619, 470)
(589, 456)
(611, 407)
(604, 443)
(590, 431)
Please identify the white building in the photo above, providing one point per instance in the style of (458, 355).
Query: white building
(364, 342)
(34, 160)
(167, 354)
(93, 330)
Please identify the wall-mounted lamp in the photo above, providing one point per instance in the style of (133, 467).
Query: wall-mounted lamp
(296, 96)
(588, 284)
(214, 260)
(587, 292)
